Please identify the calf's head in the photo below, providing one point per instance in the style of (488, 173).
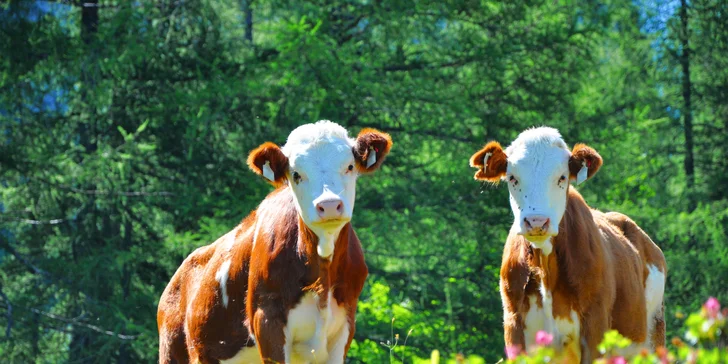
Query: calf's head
(538, 167)
(321, 163)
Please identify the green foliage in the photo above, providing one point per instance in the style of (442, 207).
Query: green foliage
(123, 146)
(612, 341)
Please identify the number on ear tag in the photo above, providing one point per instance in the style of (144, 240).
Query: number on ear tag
(583, 172)
(268, 172)
(372, 158)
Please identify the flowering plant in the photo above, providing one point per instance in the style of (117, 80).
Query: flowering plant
(705, 342)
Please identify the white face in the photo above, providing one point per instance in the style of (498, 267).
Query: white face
(538, 182)
(322, 175)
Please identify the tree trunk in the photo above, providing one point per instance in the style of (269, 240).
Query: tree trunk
(80, 340)
(248, 20)
(127, 242)
(687, 111)
(89, 19)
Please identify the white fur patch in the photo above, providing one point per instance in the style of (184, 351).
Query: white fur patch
(316, 335)
(546, 246)
(228, 240)
(545, 136)
(535, 321)
(654, 293)
(222, 277)
(321, 131)
(566, 332)
(246, 355)
(325, 247)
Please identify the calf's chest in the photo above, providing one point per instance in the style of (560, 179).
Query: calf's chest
(556, 319)
(316, 331)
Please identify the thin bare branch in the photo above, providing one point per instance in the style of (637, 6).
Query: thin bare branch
(37, 222)
(83, 324)
(70, 321)
(121, 193)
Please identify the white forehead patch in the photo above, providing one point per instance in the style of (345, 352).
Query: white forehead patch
(323, 131)
(535, 140)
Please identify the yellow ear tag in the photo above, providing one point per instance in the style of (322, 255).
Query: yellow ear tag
(268, 172)
(372, 158)
(581, 176)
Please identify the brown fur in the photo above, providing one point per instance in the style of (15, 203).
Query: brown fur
(367, 140)
(598, 268)
(265, 281)
(497, 163)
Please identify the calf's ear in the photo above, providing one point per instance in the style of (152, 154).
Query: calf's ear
(370, 149)
(491, 162)
(583, 163)
(269, 161)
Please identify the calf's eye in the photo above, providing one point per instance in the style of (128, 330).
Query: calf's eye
(351, 167)
(296, 177)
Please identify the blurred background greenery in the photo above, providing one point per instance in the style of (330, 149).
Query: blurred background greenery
(124, 127)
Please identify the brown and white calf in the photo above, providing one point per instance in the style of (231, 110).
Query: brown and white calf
(283, 285)
(567, 269)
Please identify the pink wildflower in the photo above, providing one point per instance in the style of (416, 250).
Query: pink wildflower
(617, 360)
(512, 351)
(712, 307)
(543, 338)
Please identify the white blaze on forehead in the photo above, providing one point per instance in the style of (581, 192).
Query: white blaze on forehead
(532, 141)
(307, 135)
